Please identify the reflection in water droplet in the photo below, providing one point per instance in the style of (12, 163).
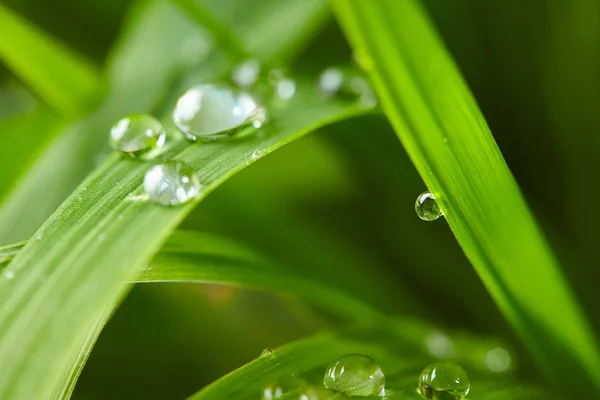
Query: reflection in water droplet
(355, 375)
(330, 81)
(444, 380)
(137, 133)
(498, 360)
(246, 74)
(427, 207)
(267, 352)
(208, 111)
(171, 183)
(439, 344)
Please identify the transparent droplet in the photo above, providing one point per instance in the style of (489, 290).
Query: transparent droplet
(427, 207)
(362, 88)
(355, 375)
(209, 111)
(498, 360)
(258, 117)
(256, 154)
(444, 380)
(246, 74)
(331, 81)
(137, 133)
(171, 183)
(273, 391)
(439, 344)
(267, 352)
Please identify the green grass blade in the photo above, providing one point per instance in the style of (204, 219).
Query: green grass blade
(398, 347)
(68, 83)
(7, 253)
(444, 133)
(102, 236)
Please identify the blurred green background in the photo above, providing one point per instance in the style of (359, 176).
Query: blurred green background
(340, 202)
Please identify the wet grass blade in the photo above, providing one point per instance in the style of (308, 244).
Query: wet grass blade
(398, 347)
(67, 82)
(447, 138)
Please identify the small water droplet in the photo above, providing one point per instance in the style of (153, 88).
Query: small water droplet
(246, 74)
(137, 133)
(39, 236)
(171, 183)
(209, 111)
(427, 207)
(331, 81)
(444, 380)
(258, 118)
(256, 154)
(9, 274)
(355, 375)
(366, 96)
(285, 89)
(267, 352)
(498, 360)
(439, 344)
(272, 392)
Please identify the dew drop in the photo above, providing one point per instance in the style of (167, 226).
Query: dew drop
(9, 275)
(272, 392)
(171, 183)
(498, 360)
(246, 74)
(137, 133)
(285, 89)
(427, 207)
(355, 375)
(256, 154)
(444, 380)
(362, 88)
(267, 352)
(210, 111)
(330, 81)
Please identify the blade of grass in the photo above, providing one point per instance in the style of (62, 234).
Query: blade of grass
(67, 82)
(101, 237)
(398, 347)
(444, 133)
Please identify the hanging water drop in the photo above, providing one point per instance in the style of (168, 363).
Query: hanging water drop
(427, 207)
(209, 111)
(246, 74)
(355, 375)
(137, 133)
(444, 380)
(171, 183)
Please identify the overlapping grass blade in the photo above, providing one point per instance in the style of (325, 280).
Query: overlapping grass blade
(66, 81)
(398, 346)
(444, 133)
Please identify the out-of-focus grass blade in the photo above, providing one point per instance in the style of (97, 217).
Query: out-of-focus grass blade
(57, 288)
(67, 82)
(398, 347)
(444, 133)
(199, 260)
(7, 253)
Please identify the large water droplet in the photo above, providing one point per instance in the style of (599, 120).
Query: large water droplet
(171, 183)
(246, 74)
(444, 380)
(137, 133)
(498, 359)
(210, 111)
(355, 375)
(427, 208)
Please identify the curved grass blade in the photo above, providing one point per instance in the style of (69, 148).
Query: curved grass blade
(103, 235)
(444, 133)
(398, 347)
(67, 82)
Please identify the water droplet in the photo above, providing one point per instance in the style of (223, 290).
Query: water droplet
(498, 360)
(366, 96)
(210, 111)
(355, 375)
(331, 81)
(272, 392)
(444, 380)
(171, 183)
(258, 118)
(137, 133)
(9, 274)
(285, 89)
(427, 208)
(246, 74)
(267, 352)
(39, 236)
(439, 344)
(256, 154)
